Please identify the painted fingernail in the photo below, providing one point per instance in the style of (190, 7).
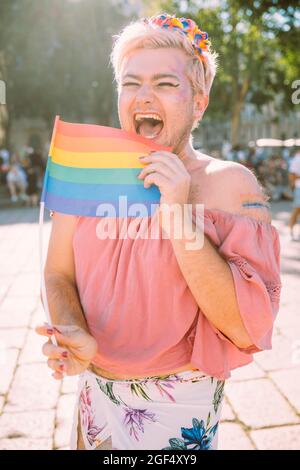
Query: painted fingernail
(64, 354)
(50, 331)
(62, 367)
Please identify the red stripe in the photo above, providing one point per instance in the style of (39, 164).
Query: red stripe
(82, 131)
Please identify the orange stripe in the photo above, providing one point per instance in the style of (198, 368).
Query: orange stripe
(98, 144)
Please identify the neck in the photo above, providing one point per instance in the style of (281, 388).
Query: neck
(186, 152)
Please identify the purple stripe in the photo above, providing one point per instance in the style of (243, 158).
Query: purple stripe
(88, 208)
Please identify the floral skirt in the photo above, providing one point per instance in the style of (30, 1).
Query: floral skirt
(171, 412)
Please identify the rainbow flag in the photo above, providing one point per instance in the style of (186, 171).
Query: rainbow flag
(91, 165)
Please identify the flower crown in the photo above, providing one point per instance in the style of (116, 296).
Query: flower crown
(186, 26)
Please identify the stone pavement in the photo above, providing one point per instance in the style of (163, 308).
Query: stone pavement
(262, 407)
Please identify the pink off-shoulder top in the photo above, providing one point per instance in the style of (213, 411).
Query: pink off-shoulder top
(142, 313)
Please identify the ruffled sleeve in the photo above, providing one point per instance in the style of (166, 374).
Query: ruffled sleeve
(252, 251)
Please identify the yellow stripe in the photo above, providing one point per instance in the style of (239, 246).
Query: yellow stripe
(97, 160)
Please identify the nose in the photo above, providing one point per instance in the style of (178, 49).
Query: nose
(144, 94)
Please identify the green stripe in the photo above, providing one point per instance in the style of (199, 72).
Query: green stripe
(95, 175)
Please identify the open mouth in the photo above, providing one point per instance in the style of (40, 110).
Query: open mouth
(148, 125)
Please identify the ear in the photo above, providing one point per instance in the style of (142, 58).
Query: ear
(200, 104)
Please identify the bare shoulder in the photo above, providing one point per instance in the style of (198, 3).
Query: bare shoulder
(236, 189)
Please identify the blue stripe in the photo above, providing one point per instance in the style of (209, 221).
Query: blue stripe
(102, 192)
(45, 180)
(254, 204)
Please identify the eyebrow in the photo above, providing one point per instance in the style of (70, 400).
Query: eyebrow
(155, 77)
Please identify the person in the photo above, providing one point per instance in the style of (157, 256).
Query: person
(274, 177)
(294, 177)
(241, 154)
(152, 326)
(16, 180)
(33, 167)
(250, 161)
(226, 148)
(4, 164)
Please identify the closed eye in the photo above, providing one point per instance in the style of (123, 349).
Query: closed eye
(167, 84)
(160, 84)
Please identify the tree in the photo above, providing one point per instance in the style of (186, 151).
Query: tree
(54, 58)
(256, 43)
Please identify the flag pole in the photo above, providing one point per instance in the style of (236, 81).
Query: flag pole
(41, 221)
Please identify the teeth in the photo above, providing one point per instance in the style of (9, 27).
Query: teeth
(150, 136)
(140, 117)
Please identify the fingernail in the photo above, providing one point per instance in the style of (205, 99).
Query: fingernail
(50, 331)
(65, 354)
(142, 156)
(62, 367)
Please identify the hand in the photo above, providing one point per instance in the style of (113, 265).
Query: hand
(170, 175)
(75, 351)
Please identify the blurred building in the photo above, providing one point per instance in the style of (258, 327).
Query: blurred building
(254, 125)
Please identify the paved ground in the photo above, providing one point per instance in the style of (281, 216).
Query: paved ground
(262, 409)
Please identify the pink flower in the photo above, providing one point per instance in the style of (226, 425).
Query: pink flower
(88, 416)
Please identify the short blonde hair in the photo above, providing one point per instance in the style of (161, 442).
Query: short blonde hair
(140, 34)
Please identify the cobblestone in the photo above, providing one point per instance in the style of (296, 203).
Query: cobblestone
(262, 400)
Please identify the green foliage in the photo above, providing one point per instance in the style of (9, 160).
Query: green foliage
(54, 55)
(257, 43)
(55, 58)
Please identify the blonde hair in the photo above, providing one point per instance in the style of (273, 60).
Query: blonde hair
(139, 35)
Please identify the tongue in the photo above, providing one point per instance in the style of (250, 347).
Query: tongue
(147, 129)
